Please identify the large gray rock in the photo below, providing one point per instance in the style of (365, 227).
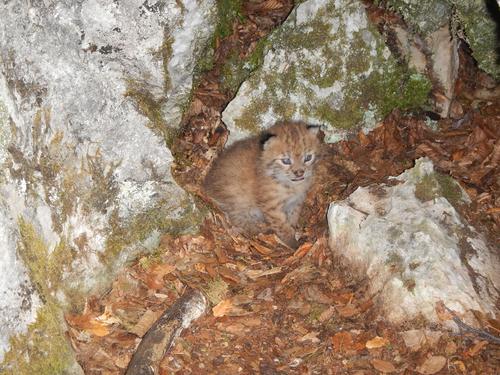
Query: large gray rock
(414, 247)
(89, 94)
(325, 65)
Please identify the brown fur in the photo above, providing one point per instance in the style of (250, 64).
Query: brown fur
(254, 186)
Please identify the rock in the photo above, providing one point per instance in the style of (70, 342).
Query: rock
(327, 65)
(445, 62)
(89, 94)
(412, 244)
(473, 21)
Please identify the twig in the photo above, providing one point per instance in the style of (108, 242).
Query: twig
(479, 332)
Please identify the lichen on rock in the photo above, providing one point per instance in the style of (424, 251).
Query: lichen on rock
(327, 65)
(415, 248)
(90, 95)
(470, 19)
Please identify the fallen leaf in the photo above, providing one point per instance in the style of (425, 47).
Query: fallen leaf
(478, 346)
(327, 314)
(376, 342)
(312, 336)
(460, 365)
(107, 317)
(314, 294)
(451, 348)
(432, 365)
(347, 311)
(255, 274)
(89, 324)
(236, 328)
(155, 274)
(342, 341)
(415, 338)
(229, 275)
(222, 308)
(383, 366)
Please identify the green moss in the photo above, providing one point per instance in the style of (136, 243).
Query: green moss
(470, 20)
(141, 226)
(368, 82)
(236, 70)
(45, 269)
(438, 185)
(250, 118)
(228, 11)
(481, 32)
(395, 262)
(164, 53)
(152, 108)
(43, 350)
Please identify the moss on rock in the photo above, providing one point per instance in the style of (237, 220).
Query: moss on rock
(436, 185)
(470, 19)
(158, 219)
(43, 350)
(330, 68)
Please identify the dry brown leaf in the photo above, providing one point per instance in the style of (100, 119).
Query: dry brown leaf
(442, 313)
(451, 348)
(255, 274)
(261, 249)
(229, 275)
(145, 322)
(222, 308)
(478, 347)
(347, 311)
(236, 328)
(89, 324)
(299, 253)
(312, 336)
(460, 365)
(342, 341)
(271, 5)
(327, 314)
(383, 366)
(376, 342)
(432, 365)
(155, 274)
(314, 294)
(107, 317)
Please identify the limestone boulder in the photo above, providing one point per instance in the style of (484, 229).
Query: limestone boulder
(90, 94)
(416, 250)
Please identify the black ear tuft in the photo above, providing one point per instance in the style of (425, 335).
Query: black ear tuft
(264, 137)
(313, 128)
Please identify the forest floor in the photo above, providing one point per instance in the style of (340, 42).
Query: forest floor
(280, 311)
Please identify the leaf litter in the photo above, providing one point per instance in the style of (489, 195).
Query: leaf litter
(279, 311)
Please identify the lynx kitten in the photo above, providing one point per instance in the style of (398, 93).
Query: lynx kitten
(261, 182)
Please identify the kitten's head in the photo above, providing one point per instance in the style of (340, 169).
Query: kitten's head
(289, 151)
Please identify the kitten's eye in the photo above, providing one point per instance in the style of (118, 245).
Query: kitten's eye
(286, 161)
(308, 157)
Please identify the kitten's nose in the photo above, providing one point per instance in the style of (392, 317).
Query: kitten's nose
(298, 172)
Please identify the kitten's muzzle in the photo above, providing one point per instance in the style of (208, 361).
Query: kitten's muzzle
(299, 173)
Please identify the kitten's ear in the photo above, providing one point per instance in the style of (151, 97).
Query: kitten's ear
(313, 129)
(264, 139)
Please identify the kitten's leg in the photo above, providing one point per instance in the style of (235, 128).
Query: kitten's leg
(277, 219)
(294, 213)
